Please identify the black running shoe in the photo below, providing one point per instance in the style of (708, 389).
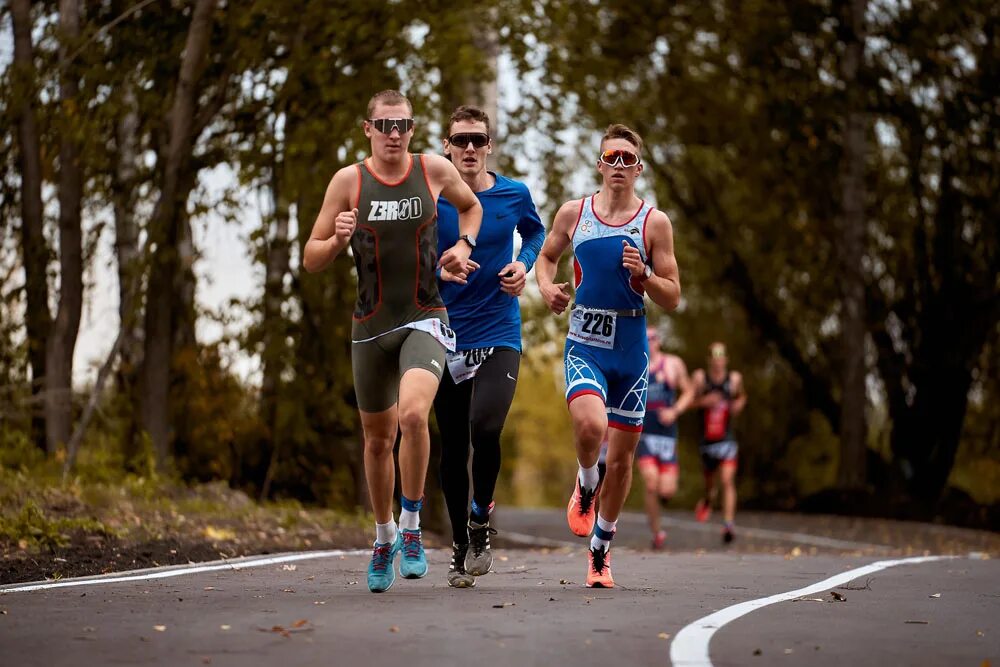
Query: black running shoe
(457, 575)
(479, 559)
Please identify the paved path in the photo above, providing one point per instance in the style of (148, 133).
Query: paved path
(531, 611)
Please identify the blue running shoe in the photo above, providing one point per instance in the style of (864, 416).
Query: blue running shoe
(381, 573)
(414, 562)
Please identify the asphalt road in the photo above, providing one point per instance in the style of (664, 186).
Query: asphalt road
(695, 604)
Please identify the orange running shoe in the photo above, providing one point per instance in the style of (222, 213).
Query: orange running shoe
(702, 511)
(581, 512)
(599, 572)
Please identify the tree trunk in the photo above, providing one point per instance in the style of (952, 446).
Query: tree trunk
(124, 184)
(38, 320)
(62, 342)
(274, 329)
(852, 248)
(166, 233)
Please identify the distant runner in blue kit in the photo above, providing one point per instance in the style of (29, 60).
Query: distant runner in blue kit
(623, 248)
(669, 394)
(478, 387)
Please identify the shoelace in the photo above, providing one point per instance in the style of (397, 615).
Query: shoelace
(586, 499)
(599, 560)
(411, 545)
(479, 538)
(381, 558)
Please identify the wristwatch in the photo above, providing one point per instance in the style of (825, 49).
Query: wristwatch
(647, 273)
(468, 239)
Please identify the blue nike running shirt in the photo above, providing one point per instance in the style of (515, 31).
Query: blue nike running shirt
(480, 314)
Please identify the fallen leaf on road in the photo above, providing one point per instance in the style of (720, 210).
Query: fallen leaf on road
(918, 622)
(299, 623)
(225, 627)
(289, 568)
(206, 661)
(3, 612)
(550, 600)
(757, 651)
(789, 651)
(503, 604)
(663, 635)
(565, 582)
(504, 558)
(980, 633)
(838, 597)
(209, 588)
(393, 628)
(287, 590)
(160, 628)
(936, 595)
(320, 602)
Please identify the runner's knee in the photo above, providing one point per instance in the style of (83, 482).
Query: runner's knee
(412, 419)
(380, 444)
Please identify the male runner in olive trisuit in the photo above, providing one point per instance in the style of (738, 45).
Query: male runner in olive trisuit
(385, 207)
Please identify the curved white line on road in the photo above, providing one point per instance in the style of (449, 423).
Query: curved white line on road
(181, 570)
(690, 647)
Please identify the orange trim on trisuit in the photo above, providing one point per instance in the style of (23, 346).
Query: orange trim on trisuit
(387, 183)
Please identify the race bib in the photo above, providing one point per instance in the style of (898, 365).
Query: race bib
(465, 364)
(593, 327)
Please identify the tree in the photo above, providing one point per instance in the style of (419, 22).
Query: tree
(35, 252)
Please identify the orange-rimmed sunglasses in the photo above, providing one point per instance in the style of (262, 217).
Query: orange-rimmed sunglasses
(612, 158)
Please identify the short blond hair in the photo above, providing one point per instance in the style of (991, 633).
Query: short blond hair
(390, 97)
(619, 131)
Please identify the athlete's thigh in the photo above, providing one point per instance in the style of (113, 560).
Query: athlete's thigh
(648, 468)
(375, 367)
(584, 372)
(494, 386)
(627, 373)
(421, 363)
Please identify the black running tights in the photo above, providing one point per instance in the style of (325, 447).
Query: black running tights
(473, 412)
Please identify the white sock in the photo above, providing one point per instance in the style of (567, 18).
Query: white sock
(605, 525)
(589, 477)
(409, 520)
(385, 533)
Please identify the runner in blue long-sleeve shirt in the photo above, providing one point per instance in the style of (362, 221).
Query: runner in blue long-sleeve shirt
(476, 392)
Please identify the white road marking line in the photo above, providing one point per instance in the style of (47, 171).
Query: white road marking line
(690, 647)
(181, 570)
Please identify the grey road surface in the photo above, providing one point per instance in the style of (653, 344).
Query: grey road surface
(532, 610)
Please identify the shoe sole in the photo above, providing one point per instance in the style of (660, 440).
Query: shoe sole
(462, 583)
(372, 590)
(477, 570)
(413, 575)
(600, 585)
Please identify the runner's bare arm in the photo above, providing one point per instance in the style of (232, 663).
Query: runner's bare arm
(686, 385)
(739, 395)
(335, 223)
(664, 286)
(449, 183)
(559, 238)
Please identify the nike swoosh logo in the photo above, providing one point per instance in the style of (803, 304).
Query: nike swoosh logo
(512, 377)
